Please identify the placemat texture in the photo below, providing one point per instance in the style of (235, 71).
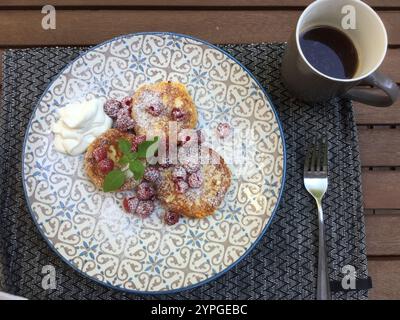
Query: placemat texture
(284, 263)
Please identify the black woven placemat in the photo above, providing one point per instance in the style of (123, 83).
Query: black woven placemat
(283, 264)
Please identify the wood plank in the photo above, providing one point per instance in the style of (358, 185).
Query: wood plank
(383, 236)
(1, 74)
(386, 211)
(381, 189)
(385, 278)
(379, 116)
(94, 26)
(371, 115)
(87, 27)
(379, 146)
(390, 65)
(176, 3)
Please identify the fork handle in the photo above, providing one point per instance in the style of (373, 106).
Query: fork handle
(323, 289)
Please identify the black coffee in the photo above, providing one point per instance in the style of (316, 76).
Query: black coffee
(330, 51)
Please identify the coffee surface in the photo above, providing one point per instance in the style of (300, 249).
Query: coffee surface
(330, 51)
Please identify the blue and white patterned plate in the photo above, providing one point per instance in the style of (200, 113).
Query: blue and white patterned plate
(88, 228)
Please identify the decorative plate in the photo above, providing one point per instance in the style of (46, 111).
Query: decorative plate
(89, 229)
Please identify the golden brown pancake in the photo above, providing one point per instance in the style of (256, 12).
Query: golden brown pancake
(196, 202)
(155, 105)
(109, 139)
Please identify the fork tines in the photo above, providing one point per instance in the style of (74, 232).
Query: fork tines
(317, 157)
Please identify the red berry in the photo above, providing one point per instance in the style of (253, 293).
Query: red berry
(223, 130)
(126, 102)
(179, 173)
(155, 109)
(195, 180)
(178, 114)
(112, 107)
(187, 140)
(123, 112)
(106, 165)
(134, 147)
(100, 153)
(181, 186)
(191, 167)
(151, 174)
(137, 140)
(124, 121)
(144, 208)
(145, 191)
(171, 218)
(140, 139)
(130, 204)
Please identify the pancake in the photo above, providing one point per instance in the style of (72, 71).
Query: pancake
(201, 201)
(109, 140)
(155, 105)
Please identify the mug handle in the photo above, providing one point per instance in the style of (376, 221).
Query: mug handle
(378, 80)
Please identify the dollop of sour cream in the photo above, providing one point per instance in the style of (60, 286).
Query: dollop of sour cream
(78, 125)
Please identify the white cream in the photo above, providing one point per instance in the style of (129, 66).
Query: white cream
(79, 124)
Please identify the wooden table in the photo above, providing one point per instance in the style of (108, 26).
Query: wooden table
(89, 22)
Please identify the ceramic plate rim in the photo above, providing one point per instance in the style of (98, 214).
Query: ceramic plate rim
(219, 274)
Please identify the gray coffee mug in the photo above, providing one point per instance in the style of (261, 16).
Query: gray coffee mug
(370, 39)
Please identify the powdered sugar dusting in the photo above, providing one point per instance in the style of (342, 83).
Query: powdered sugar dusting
(143, 118)
(207, 185)
(153, 106)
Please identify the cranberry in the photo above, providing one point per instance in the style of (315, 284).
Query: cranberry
(106, 165)
(130, 204)
(171, 218)
(126, 102)
(178, 114)
(100, 153)
(223, 130)
(151, 174)
(145, 191)
(145, 208)
(155, 109)
(112, 107)
(140, 139)
(195, 180)
(123, 112)
(181, 186)
(179, 173)
(134, 147)
(187, 140)
(124, 121)
(191, 167)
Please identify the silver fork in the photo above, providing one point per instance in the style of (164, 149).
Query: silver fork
(316, 183)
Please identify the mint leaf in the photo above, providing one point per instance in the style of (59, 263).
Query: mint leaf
(144, 146)
(113, 180)
(125, 146)
(126, 158)
(137, 168)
